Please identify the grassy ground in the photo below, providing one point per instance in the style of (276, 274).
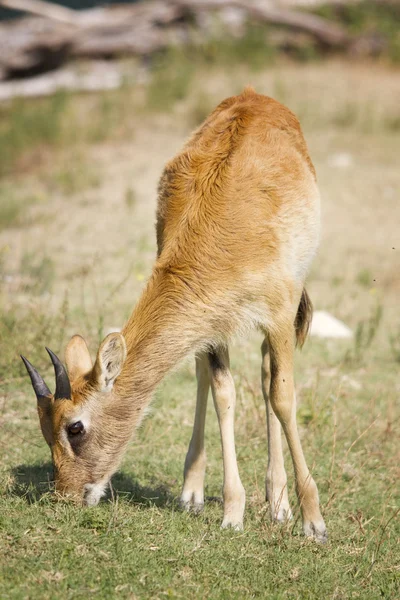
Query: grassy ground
(77, 202)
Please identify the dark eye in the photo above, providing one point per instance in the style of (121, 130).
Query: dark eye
(75, 428)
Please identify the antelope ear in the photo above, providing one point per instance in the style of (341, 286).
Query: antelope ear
(77, 357)
(109, 362)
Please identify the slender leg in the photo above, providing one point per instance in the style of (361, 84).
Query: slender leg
(284, 406)
(276, 480)
(195, 464)
(223, 390)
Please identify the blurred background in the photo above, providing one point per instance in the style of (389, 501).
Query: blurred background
(94, 99)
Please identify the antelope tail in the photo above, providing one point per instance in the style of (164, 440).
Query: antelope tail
(303, 318)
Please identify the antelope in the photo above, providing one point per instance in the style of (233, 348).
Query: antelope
(237, 227)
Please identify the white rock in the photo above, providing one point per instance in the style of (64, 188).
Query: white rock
(327, 326)
(341, 160)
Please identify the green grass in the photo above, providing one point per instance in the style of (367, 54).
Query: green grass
(25, 330)
(40, 272)
(15, 207)
(395, 343)
(29, 125)
(171, 76)
(173, 70)
(43, 132)
(74, 176)
(54, 134)
(138, 544)
(252, 48)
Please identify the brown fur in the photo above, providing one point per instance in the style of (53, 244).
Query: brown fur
(237, 227)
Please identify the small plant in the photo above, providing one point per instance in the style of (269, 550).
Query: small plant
(14, 208)
(200, 109)
(130, 198)
(28, 125)
(41, 273)
(111, 115)
(395, 344)
(172, 73)
(305, 414)
(24, 332)
(252, 49)
(392, 123)
(346, 116)
(368, 17)
(366, 331)
(364, 278)
(76, 175)
(11, 212)
(337, 281)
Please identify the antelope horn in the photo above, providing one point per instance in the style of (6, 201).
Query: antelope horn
(38, 384)
(63, 386)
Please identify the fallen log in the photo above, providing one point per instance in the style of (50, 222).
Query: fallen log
(98, 76)
(34, 44)
(48, 10)
(55, 34)
(322, 29)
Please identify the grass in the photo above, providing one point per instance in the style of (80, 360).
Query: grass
(44, 131)
(365, 334)
(252, 48)
(74, 257)
(15, 208)
(138, 542)
(395, 343)
(11, 212)
(52, 135)
(39, 271)
(29, 125)
(172, 73)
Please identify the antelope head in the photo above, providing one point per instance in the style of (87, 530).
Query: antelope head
(80, 422)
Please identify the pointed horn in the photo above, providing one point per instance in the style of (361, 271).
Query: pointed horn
(63, 386)
(38, 384)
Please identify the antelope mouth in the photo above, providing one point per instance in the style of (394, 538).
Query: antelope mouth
(93, 492)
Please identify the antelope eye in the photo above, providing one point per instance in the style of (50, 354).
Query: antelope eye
(75, 428)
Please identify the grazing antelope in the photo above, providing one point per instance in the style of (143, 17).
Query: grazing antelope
(237, 228)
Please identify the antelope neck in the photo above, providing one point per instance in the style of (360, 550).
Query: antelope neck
(162, 330)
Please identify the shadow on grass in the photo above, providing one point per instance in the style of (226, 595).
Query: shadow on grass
(35, 482)
(130, 490)
(32, 482)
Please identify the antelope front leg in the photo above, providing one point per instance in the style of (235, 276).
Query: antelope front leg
(192, 496)
(276, 479)
(223, 390)
(284, 406)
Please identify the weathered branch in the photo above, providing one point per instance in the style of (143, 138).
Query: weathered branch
(35, 44)
(269, 12)
(48, 10)
(100, 76)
